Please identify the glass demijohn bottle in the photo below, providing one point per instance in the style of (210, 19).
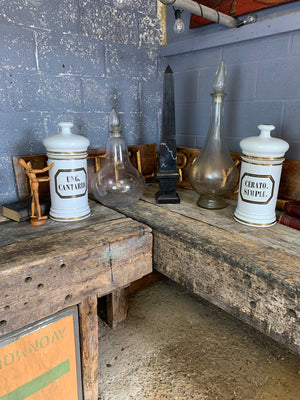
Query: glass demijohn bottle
(117, 183)
(214, 174)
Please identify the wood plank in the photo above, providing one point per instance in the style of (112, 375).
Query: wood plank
(247, 289)
(145, 281)
(234, 9)
(37, 161)
(112, 308)
(290, 177)
(143, 157)
(12, 232)
(88, 327)
(49, 268)
(117, 306)
(278, 236)
(40, 276)
(256, 280)
(290, 180)
(186, 156)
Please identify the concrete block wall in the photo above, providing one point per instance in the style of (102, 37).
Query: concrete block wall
(263, 78)
(74, 60)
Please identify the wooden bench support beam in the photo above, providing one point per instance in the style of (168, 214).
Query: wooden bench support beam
(263, 303)
(117, 306)
(46, 270)
(88, 323)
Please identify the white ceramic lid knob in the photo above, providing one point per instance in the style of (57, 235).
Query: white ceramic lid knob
(65, 128)
(264, 145)
(265, 130)
(66, 141)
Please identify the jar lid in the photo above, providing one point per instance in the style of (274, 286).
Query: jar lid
(66, 141)
(264, 145)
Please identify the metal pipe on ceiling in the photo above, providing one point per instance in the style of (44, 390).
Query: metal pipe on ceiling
(203, 11)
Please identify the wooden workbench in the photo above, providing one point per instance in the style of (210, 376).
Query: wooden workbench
(48, 268)
(252, 273)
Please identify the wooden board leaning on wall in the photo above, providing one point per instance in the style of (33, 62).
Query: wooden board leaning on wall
(289, 188)
(144, 158)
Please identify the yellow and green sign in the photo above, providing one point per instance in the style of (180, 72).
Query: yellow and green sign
(41, 365)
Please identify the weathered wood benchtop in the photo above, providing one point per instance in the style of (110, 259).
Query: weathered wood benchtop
(252, 273)
(51, 267)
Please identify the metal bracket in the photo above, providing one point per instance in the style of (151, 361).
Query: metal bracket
(246, 20)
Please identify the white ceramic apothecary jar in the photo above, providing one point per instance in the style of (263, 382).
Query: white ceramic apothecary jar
(262, 158)
(68, 183)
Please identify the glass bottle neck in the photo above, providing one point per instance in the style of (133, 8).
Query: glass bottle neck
(116, 150)
(217, 111)
(215, 126)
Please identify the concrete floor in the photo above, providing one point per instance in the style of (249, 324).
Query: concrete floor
(178, 347)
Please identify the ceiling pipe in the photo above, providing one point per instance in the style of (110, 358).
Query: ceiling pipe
(206, 12)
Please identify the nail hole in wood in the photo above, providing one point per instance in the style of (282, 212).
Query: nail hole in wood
(63, 266)
(253, 304)
(40, 286)
(6, 308)
(68, 297)
(3, 323)
(292, 313)
(28, 279)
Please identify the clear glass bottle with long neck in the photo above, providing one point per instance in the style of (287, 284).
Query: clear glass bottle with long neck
(214, 174)
(118, 183)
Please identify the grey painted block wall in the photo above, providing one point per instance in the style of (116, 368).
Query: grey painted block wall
(263, 82)
(74, 60)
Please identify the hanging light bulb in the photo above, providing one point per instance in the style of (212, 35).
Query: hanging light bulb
(178, 25)
(120, 3)
(118, 183)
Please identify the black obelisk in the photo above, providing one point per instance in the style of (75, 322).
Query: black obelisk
(167, 172)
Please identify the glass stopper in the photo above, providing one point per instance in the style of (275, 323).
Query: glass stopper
(114, 123)
(219, 81)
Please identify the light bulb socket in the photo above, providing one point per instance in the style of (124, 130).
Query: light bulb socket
(178, 13)
(179, 26)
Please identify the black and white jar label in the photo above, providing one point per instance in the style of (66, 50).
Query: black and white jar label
(257, 189)
(70, 183)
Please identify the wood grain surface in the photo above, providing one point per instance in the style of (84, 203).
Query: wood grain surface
(252, 273)
(289, 183)
(143, 157)
(49, 268)
(51, 272)
(89, 347)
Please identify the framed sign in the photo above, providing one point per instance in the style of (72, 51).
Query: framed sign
(234, 8)
(42, 361)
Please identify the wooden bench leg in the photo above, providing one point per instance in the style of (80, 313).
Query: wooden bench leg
(88, 321)
(117, 306)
